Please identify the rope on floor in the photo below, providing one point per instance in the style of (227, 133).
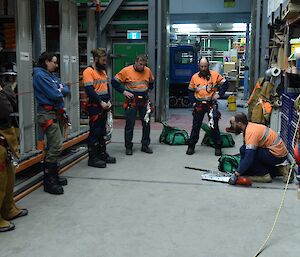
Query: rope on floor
(283, 196)
(277, 214)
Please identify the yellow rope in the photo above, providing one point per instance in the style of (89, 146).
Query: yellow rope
(283, 196)
(278, 212)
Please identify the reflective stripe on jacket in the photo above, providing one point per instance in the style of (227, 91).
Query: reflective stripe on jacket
(261, 136)
(205, 88)
(98, 80)
(133, 80)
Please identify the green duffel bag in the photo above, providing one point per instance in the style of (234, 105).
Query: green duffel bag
(229, 163)
(173, 136)
(226, 138)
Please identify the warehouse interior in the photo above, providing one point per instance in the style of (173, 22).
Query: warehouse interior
(148, 206)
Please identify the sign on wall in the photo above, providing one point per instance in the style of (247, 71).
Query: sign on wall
(229, 3)
(134, 34)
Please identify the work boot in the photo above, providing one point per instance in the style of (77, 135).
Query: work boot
(7, 203)
(51, 185)
(94, 160)
(60, 179)
(104, 156)
(284, 170)
(107, 158)
(190, 150)
(23, 212)
(6, 225)
(128, 151)
(261, 179)
(146, 149)
(218, 151)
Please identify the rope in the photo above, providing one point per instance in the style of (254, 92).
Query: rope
(282, 199)
(277, 214)
(31, 92)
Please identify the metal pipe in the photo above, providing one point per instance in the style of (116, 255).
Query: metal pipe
(38, 21)
(246, 71)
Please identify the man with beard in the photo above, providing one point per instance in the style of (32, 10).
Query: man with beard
(263, 149)
(203, 93)
(134, 82)
(96, 87)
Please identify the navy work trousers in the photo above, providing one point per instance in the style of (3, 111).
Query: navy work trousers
(264, 162)
(198, 116)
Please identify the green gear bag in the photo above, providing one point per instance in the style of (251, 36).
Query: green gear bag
(173, 135)
(226, 138)
(229, 163)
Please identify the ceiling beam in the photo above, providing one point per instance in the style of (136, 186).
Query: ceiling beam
(210, 18)
(108, 14)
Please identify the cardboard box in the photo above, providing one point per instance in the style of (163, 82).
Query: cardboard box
(229, 66)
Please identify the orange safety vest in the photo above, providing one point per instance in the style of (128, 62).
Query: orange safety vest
(135, 81)
(261, 136)
(97, 79)
(256, 90)
(204, 88)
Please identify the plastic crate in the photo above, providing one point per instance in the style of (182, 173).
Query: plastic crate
(285, 108)
(284, 128)
(289, 119)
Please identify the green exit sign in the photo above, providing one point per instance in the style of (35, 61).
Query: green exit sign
(134, 34)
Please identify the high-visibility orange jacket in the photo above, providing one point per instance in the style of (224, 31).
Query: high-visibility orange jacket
(261, 136)
(135, 81)
(205, 88)
(96, 85)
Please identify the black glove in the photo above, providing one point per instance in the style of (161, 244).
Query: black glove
(233, 179)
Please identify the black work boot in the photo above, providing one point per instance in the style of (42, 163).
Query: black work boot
(104, 156)
(190, 150)
(60, 179)
(107, 158)
(146, 149)
(94, 159)
(129, 151)
(218, 151)
(51, 185)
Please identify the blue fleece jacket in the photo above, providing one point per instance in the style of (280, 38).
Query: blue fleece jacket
(246, 161)
(46, 88)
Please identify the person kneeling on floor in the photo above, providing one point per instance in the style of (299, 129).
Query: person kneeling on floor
(262, 151)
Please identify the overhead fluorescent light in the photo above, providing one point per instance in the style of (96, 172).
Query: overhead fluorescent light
(180, 26)
(239, 26)
(188, 30)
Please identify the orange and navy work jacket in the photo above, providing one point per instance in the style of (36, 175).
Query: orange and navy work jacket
(96, 85)
(204, 88)
(261, 136)
(135, 82)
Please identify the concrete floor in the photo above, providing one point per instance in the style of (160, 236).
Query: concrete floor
(151, 206)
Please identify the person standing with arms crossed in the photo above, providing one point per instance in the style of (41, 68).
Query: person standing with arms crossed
(51, 116)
